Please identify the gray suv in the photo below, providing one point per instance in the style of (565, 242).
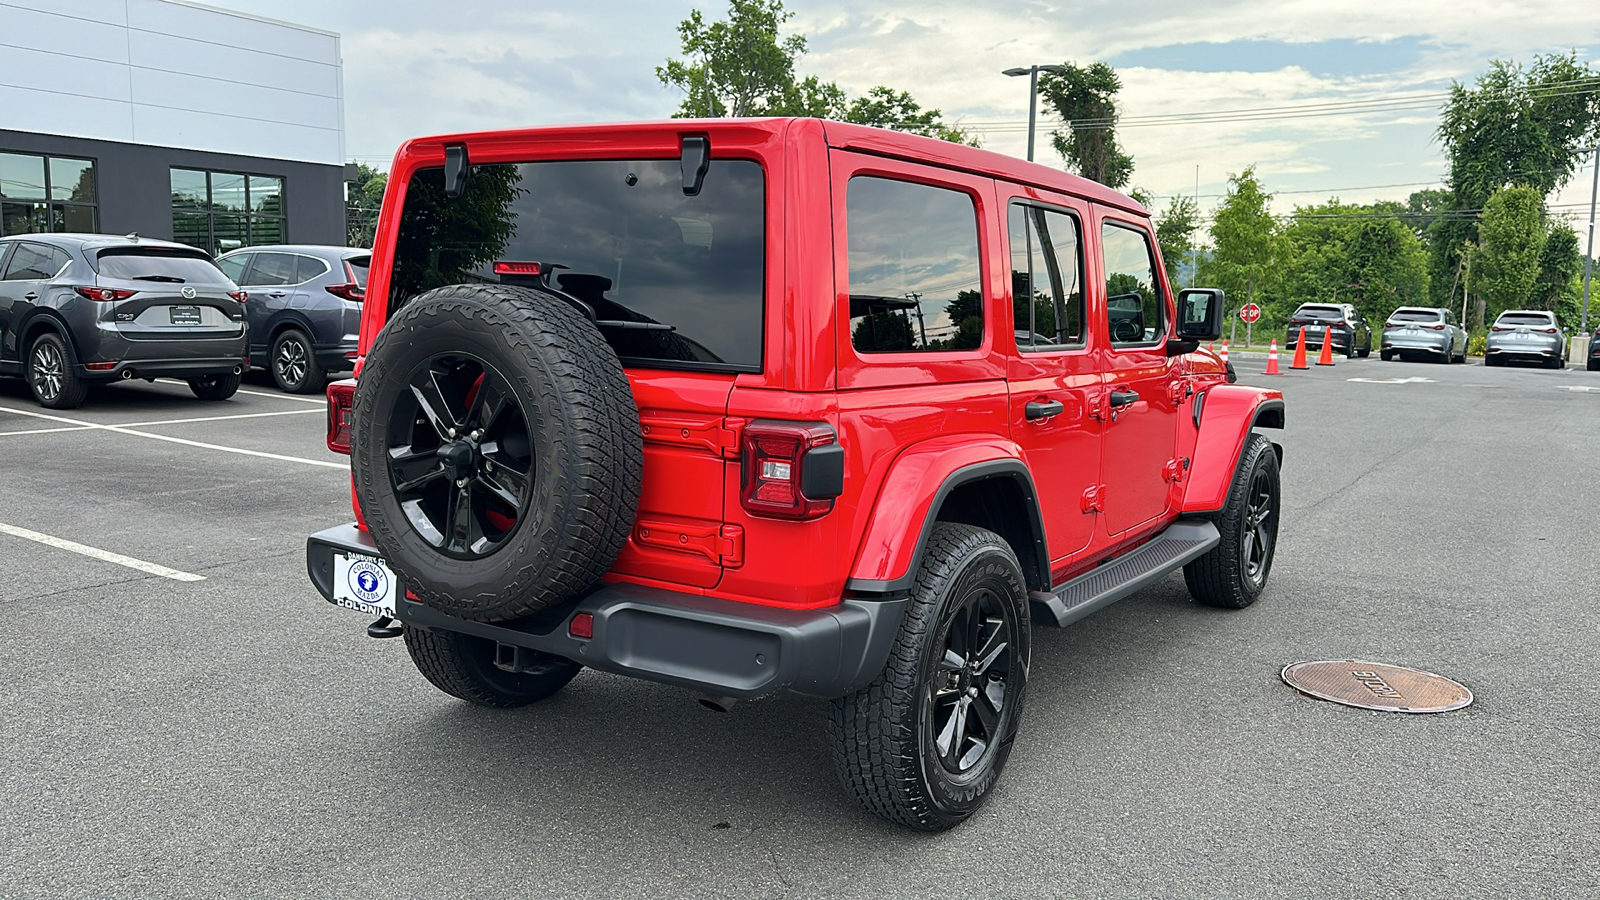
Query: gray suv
(76, 309)
(1418, 330)
(304, 310)
(1526, 334)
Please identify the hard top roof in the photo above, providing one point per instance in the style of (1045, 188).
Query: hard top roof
(839, 135)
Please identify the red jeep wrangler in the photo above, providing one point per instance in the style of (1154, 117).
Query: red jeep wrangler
(750, 406)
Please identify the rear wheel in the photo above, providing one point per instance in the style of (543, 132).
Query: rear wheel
(462, 665)
(52, 374)
(924, 743)
(1594, 365)
(294, 363)
(1386, 355)
(1234, 573)
(215, 387)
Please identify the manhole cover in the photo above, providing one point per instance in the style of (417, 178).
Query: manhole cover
(1370, 685)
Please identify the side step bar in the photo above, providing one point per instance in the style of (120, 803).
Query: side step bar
(1183, 541)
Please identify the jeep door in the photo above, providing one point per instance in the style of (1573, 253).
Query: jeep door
(1141, 436)
(1055, 377)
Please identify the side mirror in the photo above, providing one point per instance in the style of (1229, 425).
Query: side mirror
(1200, 314)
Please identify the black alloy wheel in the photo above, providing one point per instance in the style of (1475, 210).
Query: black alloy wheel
(294, 366)
(963, 702)
(1260, 527)
(460, 456)
(1233, 574)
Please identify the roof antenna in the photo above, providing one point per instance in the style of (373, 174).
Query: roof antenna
(132, 235)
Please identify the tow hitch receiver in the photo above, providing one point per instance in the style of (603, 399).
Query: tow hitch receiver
(385, 627)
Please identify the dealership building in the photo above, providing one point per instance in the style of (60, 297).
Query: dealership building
(171, 119)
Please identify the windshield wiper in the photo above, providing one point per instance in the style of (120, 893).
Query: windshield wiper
(168, 279)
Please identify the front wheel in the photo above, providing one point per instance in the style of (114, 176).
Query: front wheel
(1234, 573)
(924, 743)
(215, 387)
(462, 665)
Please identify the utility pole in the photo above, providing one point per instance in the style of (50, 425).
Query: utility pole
(1033, 94)
(1194, 245)
(1588, 258)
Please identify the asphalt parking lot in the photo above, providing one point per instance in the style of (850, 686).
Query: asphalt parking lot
(237, 736)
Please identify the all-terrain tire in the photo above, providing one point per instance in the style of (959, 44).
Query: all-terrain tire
(585, 451)
(883, 736)
(215, 387)
(52, 373)
(462, 665)
(1233, 574)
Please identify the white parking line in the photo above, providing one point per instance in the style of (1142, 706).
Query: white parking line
(120, 429)
(289, 412)
(320, 401)
(97, 553)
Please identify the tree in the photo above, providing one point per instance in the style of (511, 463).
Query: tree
(1506, 268)
(1175, 229)
(1558, 286)
(1085, 99)
(741, 67)
(363, 199)
(1361, 255)
(1244, 236)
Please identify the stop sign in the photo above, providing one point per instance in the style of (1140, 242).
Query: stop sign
(1249, 312)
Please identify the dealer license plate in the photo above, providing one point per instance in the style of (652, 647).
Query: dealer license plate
(184, 315)
(364, 584)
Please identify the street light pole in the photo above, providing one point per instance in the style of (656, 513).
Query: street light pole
(1588, 257)
(1033, 94)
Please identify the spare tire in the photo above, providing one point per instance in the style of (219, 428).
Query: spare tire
(496, 450)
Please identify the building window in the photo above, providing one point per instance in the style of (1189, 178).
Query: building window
(222, 211)
(46, 193)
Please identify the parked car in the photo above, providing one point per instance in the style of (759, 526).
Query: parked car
(1529, 335)
(1344, 324)
(305, 310)
(619, 415)
(1419, 330)
(1594, 350)
(80, 309)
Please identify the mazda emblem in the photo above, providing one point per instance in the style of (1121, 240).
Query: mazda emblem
(188, 293)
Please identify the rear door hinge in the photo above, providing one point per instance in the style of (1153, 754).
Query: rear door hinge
(718, 437)
(721, 544)
(1094, 499)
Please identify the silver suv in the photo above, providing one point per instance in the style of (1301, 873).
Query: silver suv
(81, 308)
(1418, 330)
(1527, 334)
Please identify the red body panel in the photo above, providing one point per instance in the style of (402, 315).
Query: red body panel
(1225, 422)
(906, 422)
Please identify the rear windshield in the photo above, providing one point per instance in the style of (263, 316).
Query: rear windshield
(359, 265)
(1523, 319)
(149, 265)
(1414, 315)
(1319, 312)
(619, 235)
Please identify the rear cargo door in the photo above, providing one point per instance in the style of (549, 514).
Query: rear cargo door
(174, 296)
(680, 535)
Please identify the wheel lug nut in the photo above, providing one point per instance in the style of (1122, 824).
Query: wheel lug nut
(450, 431)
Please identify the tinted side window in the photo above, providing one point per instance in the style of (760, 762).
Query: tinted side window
(233, 266)
(270, 269)
(1046, 278)
(1134, 303)
(915, 282)
(308, 267)
(33, 262)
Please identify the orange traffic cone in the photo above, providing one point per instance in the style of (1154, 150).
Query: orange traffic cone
(1326, 359)
(1224, 353)
(1272, 359)
(1299, 361)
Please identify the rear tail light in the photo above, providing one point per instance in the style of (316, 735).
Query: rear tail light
(341, 399)
(505, 267)
(1497, 328)
(582, 626)
(1548, 330)
(351, 291)
(101, 366)
(240, 296)
(790, 470)
(104, 295)
(1437, 327)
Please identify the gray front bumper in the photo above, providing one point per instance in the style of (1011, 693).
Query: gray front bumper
(720, 647)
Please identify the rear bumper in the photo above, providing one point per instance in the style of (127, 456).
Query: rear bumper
(715, 646)
(1530, 350)
(338, 358)
(1408, 344)
(170, 368)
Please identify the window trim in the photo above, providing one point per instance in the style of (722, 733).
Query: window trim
(1157, 282)
(1083, 275)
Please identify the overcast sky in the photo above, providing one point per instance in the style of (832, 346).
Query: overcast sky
(420, 66)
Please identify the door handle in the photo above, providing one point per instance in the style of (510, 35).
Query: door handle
(277, 294)
(30, 296)
(1036, 409)
(1121, 398)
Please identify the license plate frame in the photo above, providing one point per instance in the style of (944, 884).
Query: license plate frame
(364, 583)
(184, 315)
